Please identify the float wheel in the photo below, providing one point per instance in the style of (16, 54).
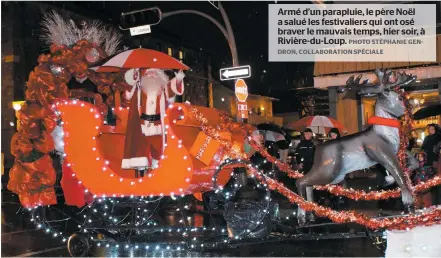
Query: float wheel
(78, 245)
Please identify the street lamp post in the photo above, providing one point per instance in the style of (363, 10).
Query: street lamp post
(232, 40)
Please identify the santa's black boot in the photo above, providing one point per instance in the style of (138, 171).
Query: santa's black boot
(139, 173)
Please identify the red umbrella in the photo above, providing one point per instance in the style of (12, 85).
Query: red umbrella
(140, 58)
(318, 124)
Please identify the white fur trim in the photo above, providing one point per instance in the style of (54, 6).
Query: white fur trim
(162, 107)
(140, 162)
(174, 86)
(150, 105)
(81, 79)
(129, 94)
(155, 163)
(151, 130)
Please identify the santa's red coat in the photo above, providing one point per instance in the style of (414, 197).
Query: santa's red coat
(144, 139)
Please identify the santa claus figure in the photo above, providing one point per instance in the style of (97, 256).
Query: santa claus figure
(152, 91)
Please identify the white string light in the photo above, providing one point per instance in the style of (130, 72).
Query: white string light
(105, 167)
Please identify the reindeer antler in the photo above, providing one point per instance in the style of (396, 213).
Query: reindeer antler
(382, 83)
(402, 80)
(364, 88)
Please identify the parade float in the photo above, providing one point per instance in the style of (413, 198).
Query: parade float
(145, 180)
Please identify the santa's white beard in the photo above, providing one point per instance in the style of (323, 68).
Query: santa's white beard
(152, 85)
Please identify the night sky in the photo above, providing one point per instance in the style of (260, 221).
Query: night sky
(249, 21)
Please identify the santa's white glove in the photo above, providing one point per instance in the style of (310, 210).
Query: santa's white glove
(180, 75)
(131, 77)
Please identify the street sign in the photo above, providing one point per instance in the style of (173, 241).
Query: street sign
(233, 73)
(242, 106)
(140, 30)
(215, 4)
(242, 110)
(241, 90)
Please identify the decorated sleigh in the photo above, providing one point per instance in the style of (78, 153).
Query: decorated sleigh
(94, 152)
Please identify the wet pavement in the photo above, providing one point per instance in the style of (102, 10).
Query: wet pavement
(21, 238)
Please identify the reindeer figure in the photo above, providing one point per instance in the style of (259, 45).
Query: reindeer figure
(378, 144)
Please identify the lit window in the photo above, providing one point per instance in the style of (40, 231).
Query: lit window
(181, 55)
(170, 51)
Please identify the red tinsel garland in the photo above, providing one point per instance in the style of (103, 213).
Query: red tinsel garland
(339, 190)
(377, 195)
(32, 143)
(229, 125)
(431, 217)
(405, 130)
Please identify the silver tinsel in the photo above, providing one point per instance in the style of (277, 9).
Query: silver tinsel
(58, 137)
(57, 30)
(56, 70)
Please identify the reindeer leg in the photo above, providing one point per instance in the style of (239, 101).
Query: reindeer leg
(310, 198)
(385, 157)
(301, 189)
(317, 176)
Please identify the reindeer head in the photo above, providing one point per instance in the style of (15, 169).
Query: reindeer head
(389, 100)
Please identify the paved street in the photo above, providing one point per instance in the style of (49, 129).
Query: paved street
(21, 238)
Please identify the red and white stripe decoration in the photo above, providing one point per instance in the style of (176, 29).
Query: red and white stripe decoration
(318, 124)
(140, 58)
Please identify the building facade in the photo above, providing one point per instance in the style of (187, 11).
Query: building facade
(260, 108)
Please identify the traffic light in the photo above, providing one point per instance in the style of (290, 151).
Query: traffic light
(148, 16)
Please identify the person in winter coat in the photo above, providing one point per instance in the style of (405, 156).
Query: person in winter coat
(412, 141)
(305, 151)
(430, 142)
(334, 134)
(423, 173)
